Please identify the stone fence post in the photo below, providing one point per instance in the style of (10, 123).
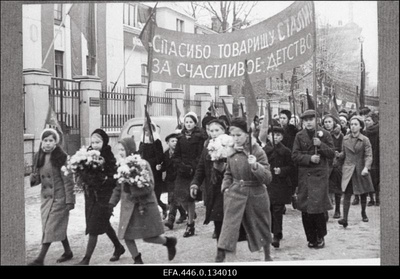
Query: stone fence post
(177, 95)
(205, 99)
(229, 102)
(140, 91)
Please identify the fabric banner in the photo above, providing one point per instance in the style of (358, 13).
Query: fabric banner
(271, 47)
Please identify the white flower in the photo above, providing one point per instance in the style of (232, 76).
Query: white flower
(63, 168)
(320, 134)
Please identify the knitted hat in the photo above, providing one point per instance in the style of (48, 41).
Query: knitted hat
(241, 123)
(129, 145)
(359, 118)
(287, 113)
(192, 115)
(50, 131)
(103, 135)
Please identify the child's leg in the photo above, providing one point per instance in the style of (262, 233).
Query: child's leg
(43, 251)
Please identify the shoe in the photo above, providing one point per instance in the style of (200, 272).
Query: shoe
(336, 215)
(364, 217)
(171, 246)
(181, 219)
(355, 201)
(189, 230)
(138, 259)
(220, 255)
(371, 203)
(65, 257)
(320, 243)
(275, 242)
(343, 223)
(36, 263)
(170, 222)
(312, 244)
(117, 253)
(84, 261)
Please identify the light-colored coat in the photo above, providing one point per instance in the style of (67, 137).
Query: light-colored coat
(248, 205)
(133, 225)
(56, 192)
(355, 159)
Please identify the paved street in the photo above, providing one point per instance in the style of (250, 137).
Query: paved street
(358, 244)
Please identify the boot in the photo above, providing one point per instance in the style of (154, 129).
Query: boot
(356, 200)
(65, 257)
(343, 222)
(267, 254)
(220, 255)
(117, 253)
(364, 216)
(36, 263)
(377, 199)
(84, 261)
(337, 213)
(170, 222)
(371, 199)
(275, 241)
(138, 259)
(171, 247)
(189, 230)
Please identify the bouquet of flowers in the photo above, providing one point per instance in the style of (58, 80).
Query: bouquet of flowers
(220, 147)
(134, 176)
(87, 165)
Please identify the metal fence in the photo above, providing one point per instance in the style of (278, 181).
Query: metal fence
(160, 105)
(192, 105)
(116, 107)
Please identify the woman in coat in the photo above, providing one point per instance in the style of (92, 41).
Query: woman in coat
(311, 155)
(151, 150)
(211, 172)
(186, 157)
(280, 189)
(97, 195)
(137, 223)
(57, 196)
(246, 199)
(357, 156)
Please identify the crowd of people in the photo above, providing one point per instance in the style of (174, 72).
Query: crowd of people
(315, 163)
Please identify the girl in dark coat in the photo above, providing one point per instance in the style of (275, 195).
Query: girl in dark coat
(57, 196)
(211, 172)
(280, 189)
(97, 196)
(151, 150)
(134, 224)
(313, 188)
(372, 132)
(331, 124)
(186, 157)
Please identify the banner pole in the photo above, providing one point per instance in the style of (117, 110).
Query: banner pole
(315, 72)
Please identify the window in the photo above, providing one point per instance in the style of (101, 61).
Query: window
(130, 14)
(145, 75)
(59, 64)
(58, 14)
(179, 25)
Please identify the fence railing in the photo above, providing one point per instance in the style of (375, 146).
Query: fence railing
(160, 106)
(116, 107)
(192, 105)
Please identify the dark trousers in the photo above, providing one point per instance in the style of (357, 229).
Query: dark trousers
(277, 211)
(314, 226)
(173, 205)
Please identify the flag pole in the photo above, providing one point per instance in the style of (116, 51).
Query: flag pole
(126, 62)
(315, 72)
(55, 36)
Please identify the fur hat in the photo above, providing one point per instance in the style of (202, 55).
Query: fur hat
(192, 115)
(241, 123)
(308, 113)
(50, 131)
(129, 145)
(287, 113)
(103, 135)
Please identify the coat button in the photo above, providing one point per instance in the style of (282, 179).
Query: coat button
(308, 174)
(50, 196)
(51, 187)
(48, 176)
(42, 176)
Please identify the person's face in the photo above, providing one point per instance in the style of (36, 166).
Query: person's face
(355, 126)
(121, 151)
(49, 143)
(309, 123)
(369, 122)
(283, 119)
(96, 142)
(239, 136)
(329, 123)
(278, 137)
(189, 123)
(343, 122)
(216, 130)
(172, 143)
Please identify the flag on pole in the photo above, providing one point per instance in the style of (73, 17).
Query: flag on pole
(310, 101)
(52, 122)
(362, 86)
(332, 109)
(356, 101)
(148, 123)
(227, 113)
(334, 98)
(264, 127)
(251, 101)
(178, 115)
(293, 84)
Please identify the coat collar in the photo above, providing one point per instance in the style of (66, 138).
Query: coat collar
(348, 137)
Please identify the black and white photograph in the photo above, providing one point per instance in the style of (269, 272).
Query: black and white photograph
(206, 133)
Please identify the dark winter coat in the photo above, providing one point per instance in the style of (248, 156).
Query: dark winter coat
(99, 193)
(246, 200)
(186, 157)
(289, 135)
(133, 224)
(56, 193)
(372, 133)
(212, 178)
(313, 179)
(153, 153)
(168, 167)
(356, 157)
(280, 189)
